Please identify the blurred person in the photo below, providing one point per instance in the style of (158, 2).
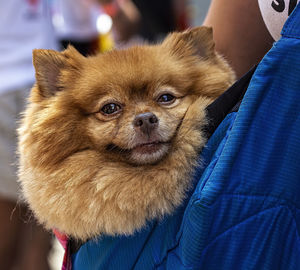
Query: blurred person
(24, 25)
(82, 24)
(75, 24)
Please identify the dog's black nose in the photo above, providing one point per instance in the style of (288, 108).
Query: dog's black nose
(146, 122)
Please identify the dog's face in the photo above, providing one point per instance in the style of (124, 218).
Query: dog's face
(112, 139)
(134, 119)
(139, 124)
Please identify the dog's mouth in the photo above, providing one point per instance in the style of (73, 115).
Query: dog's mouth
(150, 152)
(143, 153)
(148, 148)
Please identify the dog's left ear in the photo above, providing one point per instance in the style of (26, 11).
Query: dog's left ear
(51, 67)
(196, 41)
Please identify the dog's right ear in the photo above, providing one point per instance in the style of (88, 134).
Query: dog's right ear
(50, 66)
(196, 41)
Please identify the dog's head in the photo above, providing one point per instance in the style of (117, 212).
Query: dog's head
(128, 105)
(112, 138)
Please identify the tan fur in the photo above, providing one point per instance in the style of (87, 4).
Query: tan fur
(70, 179)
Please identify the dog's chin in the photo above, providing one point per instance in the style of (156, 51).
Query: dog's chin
(150, 153)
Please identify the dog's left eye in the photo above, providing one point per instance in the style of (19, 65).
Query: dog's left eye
(166, 99)
(110, 108)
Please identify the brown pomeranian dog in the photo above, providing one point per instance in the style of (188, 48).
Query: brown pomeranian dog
(111, 141)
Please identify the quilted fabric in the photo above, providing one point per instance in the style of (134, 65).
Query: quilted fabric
(244, 211)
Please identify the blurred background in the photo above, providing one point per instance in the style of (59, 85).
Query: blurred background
(91, 26)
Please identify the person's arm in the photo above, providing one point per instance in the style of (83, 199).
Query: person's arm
(239, 32)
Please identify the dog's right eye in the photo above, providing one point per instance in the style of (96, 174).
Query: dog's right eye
(166, 99)
(111, 108)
